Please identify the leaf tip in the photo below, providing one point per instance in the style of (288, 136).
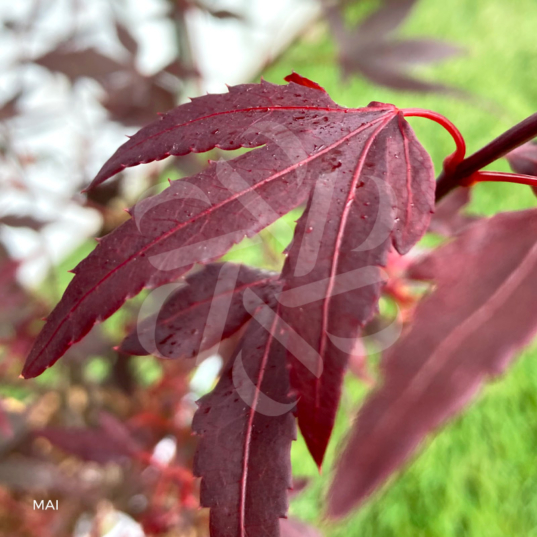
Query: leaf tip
(303, 81)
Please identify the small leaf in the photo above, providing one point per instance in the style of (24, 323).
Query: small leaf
(385, 20)
(523, 159)
(415, 51)
(126, 38)
(13, 220)
(481, 312)
(136, 99)
(79, 63)
(110, 442)
(246, 427)
(196, 317)
(9, 108)
(369, 50)
(449, 218)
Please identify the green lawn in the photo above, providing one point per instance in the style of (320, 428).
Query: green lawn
(477, 477)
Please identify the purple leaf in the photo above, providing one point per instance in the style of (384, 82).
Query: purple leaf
(13, 220)
(198, 219)
(414, 51)
(246, 427)
(227, 121)
(523, 159)
(379, 191)
(136, 99)
(197, 316)
(79, 63)
(449, 218)
(390, 76)
(369, 50)
(481, 312)
(109, 442)
(385, 20)
(9, 108)
(126, 39)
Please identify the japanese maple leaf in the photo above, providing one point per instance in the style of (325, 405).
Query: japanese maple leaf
(370, 49)
(303, 135)
(463, 333)
(369, 185)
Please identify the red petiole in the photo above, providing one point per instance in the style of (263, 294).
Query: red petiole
(451, 161)
(481, 177)
(453, 174)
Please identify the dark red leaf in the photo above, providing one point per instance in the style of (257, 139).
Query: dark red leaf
(197, 316)
(227, 121)
(9, 108)
(414, 51)
(85, 443)
(199, 218)
(468, 329)
(367, 49)
(126, 39)
(246, 427)
(390, 76)
(109, 442)
(379, 191)
(449, 218)
(523, 159)
(79, 63)
(178, 69)
(101, 198)
(136, 99)
(385, 20)
(22, 221)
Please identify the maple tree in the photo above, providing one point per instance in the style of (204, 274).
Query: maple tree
(369, 190)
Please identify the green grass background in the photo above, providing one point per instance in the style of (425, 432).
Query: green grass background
(477, 477)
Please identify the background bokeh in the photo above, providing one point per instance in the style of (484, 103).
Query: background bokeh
(76, 78)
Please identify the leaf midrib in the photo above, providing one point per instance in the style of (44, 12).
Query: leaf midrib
(337, 251)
